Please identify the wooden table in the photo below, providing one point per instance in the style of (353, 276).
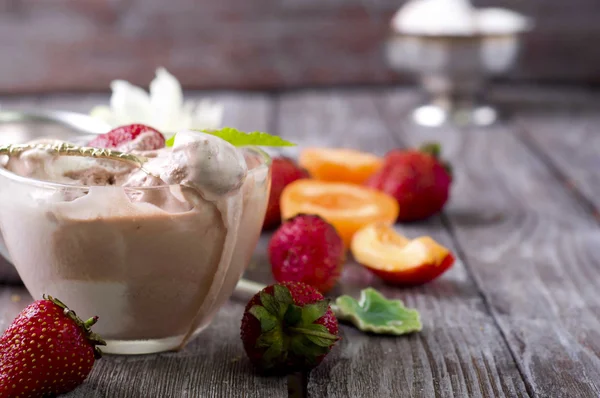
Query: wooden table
(517, 316)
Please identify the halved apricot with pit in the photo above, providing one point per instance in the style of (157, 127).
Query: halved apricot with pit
(339, 164)
(399, 260)
(348, 207)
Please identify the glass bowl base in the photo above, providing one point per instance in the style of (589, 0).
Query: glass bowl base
(142, 347)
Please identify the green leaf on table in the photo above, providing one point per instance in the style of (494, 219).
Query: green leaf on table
(374, 313)
(239, 138)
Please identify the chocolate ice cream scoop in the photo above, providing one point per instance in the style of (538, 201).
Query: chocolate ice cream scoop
(203, 162)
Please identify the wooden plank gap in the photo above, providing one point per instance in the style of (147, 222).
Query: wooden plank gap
(486, 300)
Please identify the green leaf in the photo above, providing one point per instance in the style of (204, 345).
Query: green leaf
(283, 297)
(432, 148)
(170, 141)
(374, 313)
(273, 341)
(312, 312)
(302, 347)
(270, 303)
(239, 138)
(319, 340)
(267, 320)
(293, 314)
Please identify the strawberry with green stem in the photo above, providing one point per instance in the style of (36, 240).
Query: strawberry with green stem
(290, 326)
(47, 350)
(419, 180)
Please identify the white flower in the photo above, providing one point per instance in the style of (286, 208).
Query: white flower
(164, 108)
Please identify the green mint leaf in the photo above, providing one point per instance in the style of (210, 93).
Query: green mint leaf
(374, 313)
(170, 141)
(256, 138)
(267, 320)
(312, 312)
(239, 138)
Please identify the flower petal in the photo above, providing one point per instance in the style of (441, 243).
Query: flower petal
(166, 99)
(103, 113)
(129, 103)
(207, 115)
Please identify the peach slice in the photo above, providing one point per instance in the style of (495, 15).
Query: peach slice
(348, 207)
(339, 164)
(399, 260)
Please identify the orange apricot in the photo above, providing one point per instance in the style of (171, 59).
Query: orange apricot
(339, 165)
(397, 259)
(348, 207)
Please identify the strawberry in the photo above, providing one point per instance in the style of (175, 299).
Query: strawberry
(120, 136)
(288, 327)
(418, 180)
(283, 172)
(307, 249)
(46, 351)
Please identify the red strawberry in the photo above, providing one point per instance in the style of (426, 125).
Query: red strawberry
(283, 172)
(46, 351)
(288, 327)
(126, 134)
(418, 180)
(307, 249)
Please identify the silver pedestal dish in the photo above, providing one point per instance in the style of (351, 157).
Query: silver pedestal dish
(453, 72)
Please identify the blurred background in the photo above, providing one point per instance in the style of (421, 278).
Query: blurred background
(81, 45)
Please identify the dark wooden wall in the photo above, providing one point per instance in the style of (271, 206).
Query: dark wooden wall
(72, 45)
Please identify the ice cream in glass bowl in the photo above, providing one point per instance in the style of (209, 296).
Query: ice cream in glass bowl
(153, 241)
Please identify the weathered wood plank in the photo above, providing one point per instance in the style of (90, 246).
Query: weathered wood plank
(460, 351)
(569, 142)
(214, 364)
(532, 248)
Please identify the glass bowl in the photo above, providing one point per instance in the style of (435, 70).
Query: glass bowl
(154, 277)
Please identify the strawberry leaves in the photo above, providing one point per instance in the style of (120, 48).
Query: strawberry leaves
(288, 331)
(435, 149)
(376, 314)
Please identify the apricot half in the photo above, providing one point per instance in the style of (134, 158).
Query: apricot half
(339, 164)
(399, 260)
(348, 207)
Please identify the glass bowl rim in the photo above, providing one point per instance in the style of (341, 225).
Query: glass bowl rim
(264, 156)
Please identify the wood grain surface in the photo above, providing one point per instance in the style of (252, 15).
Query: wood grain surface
(79, 45)
(531, 247)
(518, 314)
(460, 351)
(569, 143)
